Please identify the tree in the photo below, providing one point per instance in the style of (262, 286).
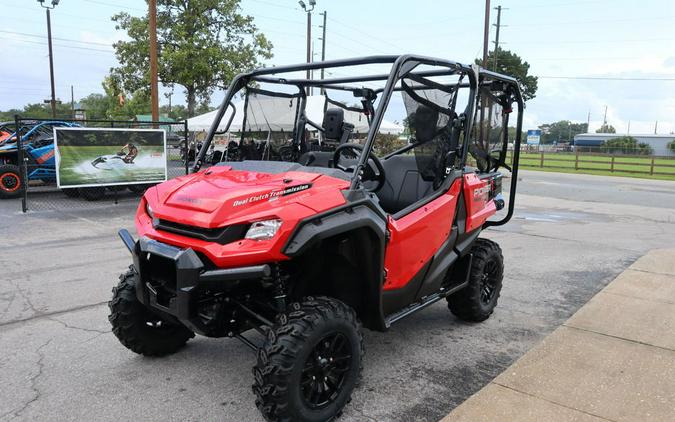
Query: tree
(561, 131)
(606, 128)
(203, 44)
(511, 64)
(626, 145)
(512, 135)
(96, 106)
(38, 111)
(671, 146)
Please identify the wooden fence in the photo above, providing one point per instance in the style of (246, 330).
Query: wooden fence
(597, 162)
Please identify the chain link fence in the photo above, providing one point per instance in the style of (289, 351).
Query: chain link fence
(31, 153)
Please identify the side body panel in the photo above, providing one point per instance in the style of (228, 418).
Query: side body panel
(479, 206)
(417, 236)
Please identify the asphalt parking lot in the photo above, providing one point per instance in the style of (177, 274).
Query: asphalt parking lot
(571, 235)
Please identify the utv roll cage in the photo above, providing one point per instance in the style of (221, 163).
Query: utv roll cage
(480, 82)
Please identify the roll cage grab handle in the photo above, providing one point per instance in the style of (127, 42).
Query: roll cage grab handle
(397, 72)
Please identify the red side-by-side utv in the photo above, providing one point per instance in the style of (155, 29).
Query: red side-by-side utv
(321, 227)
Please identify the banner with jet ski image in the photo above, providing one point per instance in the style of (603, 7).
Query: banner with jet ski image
(87, 157)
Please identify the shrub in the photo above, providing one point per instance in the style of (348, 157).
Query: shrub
(626, 145)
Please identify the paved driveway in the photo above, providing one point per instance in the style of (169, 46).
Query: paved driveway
(571, 235)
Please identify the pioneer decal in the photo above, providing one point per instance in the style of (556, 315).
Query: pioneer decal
(271, 196)
(481, 194)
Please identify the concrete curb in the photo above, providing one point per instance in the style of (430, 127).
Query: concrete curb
(612, 360)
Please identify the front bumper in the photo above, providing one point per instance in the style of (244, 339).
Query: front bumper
(172, 280)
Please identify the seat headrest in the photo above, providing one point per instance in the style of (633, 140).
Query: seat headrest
(333, 119)
(424, 122)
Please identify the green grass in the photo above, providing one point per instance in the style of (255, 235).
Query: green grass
(75, 167)
(599, 164)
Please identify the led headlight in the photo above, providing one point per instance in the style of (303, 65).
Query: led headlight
(148, 209)
(263, 230)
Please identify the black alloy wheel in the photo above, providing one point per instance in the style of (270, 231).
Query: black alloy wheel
(489, 281)
(477, 301)
(325, 369)
(310, 362)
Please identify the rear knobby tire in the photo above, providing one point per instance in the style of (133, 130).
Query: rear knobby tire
(477, 301)
(320, 338)
(140, 330)
(10, 181)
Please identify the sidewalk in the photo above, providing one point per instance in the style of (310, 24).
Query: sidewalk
(614, 360)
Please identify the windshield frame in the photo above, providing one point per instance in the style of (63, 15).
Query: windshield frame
(401, 66)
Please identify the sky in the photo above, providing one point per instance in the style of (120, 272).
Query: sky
(588, 55)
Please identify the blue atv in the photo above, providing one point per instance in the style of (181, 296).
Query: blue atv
(38, 147)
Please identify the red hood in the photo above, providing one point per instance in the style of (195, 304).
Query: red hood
(220, 196)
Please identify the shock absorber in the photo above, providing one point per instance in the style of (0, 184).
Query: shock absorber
(280, 289)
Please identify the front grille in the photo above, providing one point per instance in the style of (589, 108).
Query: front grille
(221, 235)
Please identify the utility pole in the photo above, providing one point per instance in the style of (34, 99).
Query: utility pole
(604, 120)
(656, 125)
(588, 121)
(72, 101)
(628, 133)
(323, 47)
(312, 3)
(154, 89)
(498, 25)
(486, 33)
(52, 102)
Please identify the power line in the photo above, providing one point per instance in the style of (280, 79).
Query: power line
(551, 23)
(360, 30)
(572, 3)
(59, 45)
(60, 13)
(54, 38)
(596, 41)
(117, 6)
(605, 78)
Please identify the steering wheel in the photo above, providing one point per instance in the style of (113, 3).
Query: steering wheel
(373, 171)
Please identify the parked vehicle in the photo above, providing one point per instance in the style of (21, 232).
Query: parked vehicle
(306, 246)
(38, 147)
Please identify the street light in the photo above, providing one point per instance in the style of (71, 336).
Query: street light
(302, 4)
(51, 55)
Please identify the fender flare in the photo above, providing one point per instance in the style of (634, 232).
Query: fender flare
(313, 230)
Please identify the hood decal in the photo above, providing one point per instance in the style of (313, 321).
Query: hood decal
(272, 195)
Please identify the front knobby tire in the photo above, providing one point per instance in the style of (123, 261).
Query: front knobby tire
(138, 329)
(310, 362)
(477, 301)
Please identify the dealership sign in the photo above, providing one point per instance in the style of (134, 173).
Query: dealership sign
(533, 137)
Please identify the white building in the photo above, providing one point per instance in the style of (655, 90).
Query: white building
(659, 143)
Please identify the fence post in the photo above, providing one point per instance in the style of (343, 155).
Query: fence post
(576, 160)
(187, 146)
(651, 168)
(23, 174)
(611, 169)
(541, 160)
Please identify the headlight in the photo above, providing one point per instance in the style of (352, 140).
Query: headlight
(148, 209)
(263, 230)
